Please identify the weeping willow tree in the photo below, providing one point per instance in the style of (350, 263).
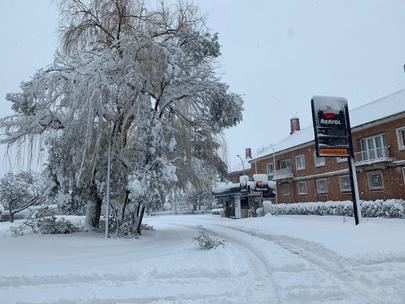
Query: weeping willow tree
(136, 77)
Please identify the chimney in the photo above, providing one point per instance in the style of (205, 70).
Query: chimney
(248, 153)
(294, 124)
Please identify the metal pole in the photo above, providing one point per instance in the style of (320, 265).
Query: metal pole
(274, 174)
(107, 207)
(243, 165)
(353, 184)
(356, 188)
(352, 171)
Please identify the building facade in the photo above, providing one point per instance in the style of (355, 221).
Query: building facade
(378, 134)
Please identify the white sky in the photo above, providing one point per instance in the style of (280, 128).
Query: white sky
(276, 53)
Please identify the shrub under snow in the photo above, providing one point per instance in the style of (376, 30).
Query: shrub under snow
(44, 221)
(207, 241)
(126, 230)
(393, 208)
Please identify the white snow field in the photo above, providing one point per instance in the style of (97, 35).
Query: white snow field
(284, 259)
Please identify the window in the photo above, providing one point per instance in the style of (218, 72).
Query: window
(302, 188)
(401, 138)
(373, 147)
(319, 161)
(300, 162)
(375, 180)
(285, 164)
(322, 185)
(345, 184)
(341, 159)
(285, 189)
(270, 169)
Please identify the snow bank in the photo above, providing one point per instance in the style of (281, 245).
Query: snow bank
(394, 208)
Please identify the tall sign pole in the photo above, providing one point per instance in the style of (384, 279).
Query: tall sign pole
(353, 174)
(333, 137)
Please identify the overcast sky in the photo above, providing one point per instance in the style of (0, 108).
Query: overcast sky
(277, 54)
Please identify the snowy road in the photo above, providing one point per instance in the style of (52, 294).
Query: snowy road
(263, 261)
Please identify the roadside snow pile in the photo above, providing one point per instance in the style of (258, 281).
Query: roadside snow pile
(206, 241)
(393, 208)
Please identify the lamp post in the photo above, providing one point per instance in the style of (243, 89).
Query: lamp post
(243, 165)
(107, 207)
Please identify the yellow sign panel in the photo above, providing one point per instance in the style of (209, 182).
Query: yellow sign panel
(341, 152)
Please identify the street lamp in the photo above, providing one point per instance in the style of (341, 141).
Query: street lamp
(243, 165)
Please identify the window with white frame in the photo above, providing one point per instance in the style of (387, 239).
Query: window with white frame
(302, 188)
(270, 168)
(300, 162)
(345, 184)
(285, 189)
(319, 161)
(375, 180)
(285, 164)
(401, 138)
(322, 185)
(341, 159)
(373, 147)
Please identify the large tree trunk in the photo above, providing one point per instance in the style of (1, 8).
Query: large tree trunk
(11, 214)
(126, 198)
(140, 214)
(93, 211)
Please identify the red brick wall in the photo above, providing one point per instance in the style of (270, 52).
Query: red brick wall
(393, 178)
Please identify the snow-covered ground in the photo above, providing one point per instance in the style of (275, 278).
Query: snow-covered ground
(284, 259)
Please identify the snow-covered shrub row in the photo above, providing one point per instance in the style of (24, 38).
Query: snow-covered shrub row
(207, 241)
(394, 208)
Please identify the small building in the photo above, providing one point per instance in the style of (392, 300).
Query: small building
(241, 200)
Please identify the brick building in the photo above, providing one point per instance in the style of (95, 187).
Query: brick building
(378, 130)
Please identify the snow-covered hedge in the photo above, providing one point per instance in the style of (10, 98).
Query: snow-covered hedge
(394, 208)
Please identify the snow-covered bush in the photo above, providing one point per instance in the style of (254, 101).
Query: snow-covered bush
(267, 206)
(53, 225)
(393, 208)
(207, 241)
(260, 212)
(126, 229)
(44, 221)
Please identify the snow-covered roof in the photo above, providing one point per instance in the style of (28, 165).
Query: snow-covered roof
(223, 186)
(375, 110)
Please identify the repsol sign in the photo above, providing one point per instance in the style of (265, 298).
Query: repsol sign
(330, 122)
(330, 117)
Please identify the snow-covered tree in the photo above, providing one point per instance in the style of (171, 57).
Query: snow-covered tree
(19, 191)
(136, 77)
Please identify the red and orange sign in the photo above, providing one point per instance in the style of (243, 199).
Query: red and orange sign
(340, 152)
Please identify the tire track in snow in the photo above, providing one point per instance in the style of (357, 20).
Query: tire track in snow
(262, 272)
(326, 260)
(22, 281)
(151, 285)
